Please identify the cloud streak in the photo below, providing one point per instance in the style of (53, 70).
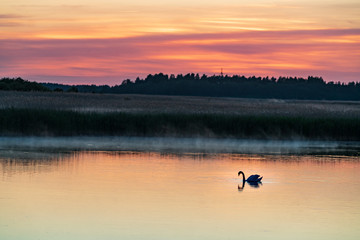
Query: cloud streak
(333, 54)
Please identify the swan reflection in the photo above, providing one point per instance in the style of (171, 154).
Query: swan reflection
(252, 184)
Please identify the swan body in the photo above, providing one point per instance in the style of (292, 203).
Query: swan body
(252, 179)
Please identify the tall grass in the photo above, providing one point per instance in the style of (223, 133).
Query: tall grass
(71, 123)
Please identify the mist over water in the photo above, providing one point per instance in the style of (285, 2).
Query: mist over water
(179, 145)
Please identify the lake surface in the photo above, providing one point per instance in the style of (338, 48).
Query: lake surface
(98, 194)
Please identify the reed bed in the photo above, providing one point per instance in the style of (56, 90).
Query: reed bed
(47, 122)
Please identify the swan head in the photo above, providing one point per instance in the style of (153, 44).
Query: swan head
(240, 172)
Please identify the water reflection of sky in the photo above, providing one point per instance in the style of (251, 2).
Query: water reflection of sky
(151, 195)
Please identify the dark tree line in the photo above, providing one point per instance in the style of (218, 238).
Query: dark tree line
(216, 85)
(241, 86)
(19, 84)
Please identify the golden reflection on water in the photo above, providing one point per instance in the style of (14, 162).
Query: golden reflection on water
(134, 195)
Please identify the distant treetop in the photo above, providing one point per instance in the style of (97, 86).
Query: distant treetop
(19, 84)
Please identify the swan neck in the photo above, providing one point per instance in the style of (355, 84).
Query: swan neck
(243, 175)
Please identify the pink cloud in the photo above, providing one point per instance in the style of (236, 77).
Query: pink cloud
(333, 54)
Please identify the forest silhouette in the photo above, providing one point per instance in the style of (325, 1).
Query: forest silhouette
(312, 87)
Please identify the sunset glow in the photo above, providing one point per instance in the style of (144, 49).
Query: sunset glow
(86, 41)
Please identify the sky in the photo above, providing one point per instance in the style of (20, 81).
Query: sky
(105, 42)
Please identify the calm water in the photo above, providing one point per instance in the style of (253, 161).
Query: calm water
(153, 195)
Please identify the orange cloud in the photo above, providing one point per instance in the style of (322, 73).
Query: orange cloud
(118, 19)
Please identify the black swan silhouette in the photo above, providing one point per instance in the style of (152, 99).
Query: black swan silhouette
(252, 179)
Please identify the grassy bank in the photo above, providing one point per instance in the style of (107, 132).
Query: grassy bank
(177, 104)
(42, 122)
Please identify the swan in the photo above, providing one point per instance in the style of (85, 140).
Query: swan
(252, 179)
